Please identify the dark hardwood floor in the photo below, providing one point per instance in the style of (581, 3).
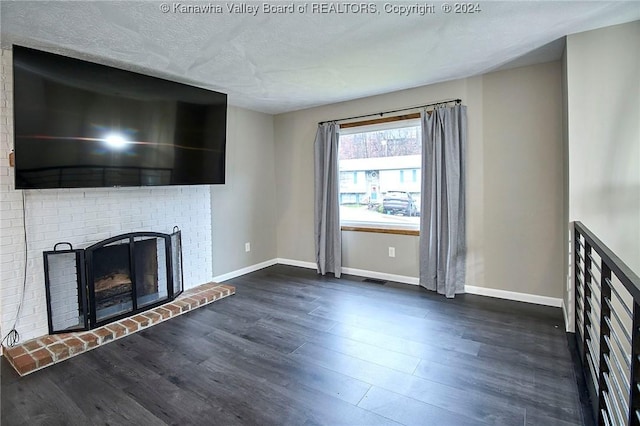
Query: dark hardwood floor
(294, 348)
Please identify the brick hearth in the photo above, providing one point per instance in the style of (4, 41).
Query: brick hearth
(44, 351)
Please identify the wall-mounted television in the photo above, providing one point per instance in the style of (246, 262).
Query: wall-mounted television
(78, 124)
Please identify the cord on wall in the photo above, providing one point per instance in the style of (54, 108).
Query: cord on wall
(13, 337)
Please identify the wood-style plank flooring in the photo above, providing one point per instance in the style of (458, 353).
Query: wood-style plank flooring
(298, 349)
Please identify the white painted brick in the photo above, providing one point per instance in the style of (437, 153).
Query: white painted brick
(6, 242)
(12, 214)
(17, 225)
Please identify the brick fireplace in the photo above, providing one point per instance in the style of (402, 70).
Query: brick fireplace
(82, 218)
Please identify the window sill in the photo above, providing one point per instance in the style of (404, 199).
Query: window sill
(378, 230)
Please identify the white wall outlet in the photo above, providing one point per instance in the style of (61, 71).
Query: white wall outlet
(392, 252)
(247, 247)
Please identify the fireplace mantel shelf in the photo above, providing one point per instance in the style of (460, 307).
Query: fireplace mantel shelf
(42, 352)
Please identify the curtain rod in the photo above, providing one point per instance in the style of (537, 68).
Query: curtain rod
(393, 111)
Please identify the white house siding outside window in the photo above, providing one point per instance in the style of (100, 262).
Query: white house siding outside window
(380, 175)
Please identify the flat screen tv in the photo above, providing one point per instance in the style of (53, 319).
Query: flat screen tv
(79, 124)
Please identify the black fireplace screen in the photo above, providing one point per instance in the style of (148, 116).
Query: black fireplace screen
(112, 279)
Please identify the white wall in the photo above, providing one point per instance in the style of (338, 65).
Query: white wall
(601, 70)
(514, 182)
(603, 94)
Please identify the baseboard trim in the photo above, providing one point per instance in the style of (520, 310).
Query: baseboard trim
(512, 295)
(380, 275)
(299, 263)
(353, 271)
(243, 271)
(480, 291)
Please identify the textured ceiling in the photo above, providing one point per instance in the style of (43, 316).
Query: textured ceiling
(278, 62)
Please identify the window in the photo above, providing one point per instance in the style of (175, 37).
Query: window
(380, 175)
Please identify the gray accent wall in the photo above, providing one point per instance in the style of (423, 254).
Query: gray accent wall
(515, 192)
(370, 252)
(244, 209)
(524, 224)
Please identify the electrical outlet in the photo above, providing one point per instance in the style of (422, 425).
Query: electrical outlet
(247, 247)
(392, 252)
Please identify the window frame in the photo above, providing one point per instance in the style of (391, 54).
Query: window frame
(386, 123)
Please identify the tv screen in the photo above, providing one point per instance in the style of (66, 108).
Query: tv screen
(79, 124)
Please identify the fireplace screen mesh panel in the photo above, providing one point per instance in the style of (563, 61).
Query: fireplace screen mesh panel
(112, 279)
(67, 309)
(176, 258)
(112, 283)
(151, 272)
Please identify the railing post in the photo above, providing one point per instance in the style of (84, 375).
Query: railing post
(605, 312)
(634, 392)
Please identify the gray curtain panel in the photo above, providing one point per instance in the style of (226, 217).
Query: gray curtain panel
(328, 238)
(442, 220)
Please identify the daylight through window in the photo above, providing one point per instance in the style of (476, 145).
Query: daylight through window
(380, 174)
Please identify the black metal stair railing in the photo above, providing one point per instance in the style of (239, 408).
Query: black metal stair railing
(607, 318)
